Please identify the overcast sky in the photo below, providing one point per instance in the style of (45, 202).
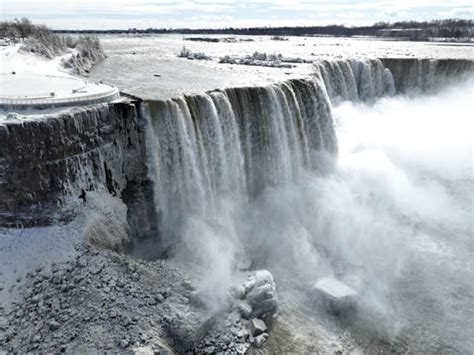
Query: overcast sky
(105, 14)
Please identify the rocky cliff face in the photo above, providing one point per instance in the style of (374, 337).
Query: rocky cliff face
(44, 161)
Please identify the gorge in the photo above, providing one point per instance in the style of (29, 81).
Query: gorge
(250, 178)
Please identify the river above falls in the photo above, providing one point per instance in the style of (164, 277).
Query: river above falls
(149, 67)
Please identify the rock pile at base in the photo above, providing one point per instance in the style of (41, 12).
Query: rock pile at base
(261, 295)
(107, 302)
(253, 307)
(102, 301)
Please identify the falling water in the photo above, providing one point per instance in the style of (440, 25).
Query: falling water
(253, 171)
(234, 143)
(355, 80)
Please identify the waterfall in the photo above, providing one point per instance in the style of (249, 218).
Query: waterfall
(355, 79)
(415, 74)
(369, 79)
(233, 144)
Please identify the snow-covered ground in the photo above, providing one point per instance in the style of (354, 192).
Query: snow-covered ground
(28, 79)
(12, 59)
(24, 250)
(66, 87)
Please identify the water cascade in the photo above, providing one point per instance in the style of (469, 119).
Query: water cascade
(355, 80)
(235, 143)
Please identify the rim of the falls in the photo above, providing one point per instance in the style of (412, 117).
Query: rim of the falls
(234, 143)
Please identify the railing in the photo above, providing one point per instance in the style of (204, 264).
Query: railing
(22, 102)
(25, 97)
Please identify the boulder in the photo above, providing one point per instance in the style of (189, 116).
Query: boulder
(245, 310)
(238, 292)
(257, 327)
(261, 294)
(53, 324)
(144, 350)
(335, 295)
(259, 340)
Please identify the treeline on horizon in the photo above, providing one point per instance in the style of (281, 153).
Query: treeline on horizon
(448, 28)
(415, 30)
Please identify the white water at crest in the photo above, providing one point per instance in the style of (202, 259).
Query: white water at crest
(356, 80)
(255, 169)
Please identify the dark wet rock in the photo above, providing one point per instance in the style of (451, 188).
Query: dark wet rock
(45, 164)
(53, 324)
(123, 343)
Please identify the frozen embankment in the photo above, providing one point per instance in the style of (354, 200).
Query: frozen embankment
(32, 82)
(161, 171)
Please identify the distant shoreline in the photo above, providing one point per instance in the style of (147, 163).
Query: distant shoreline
(440, 40)
(444, 30)
(449, 30)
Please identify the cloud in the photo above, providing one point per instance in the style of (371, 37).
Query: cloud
(184, 13)
(459, 12)
(391, 13)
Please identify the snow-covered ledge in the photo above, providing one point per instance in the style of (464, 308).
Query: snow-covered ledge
(30, 82)
(18, 93)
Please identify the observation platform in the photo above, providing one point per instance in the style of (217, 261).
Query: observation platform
(31, 91)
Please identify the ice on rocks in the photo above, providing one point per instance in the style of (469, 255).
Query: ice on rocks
(261, 294)
(257, 327)
(238, 292)
(245, 309)
(337, 296)
(144, 350)
(102, 301)
(235, 332)
(85, 310)
(259, 340)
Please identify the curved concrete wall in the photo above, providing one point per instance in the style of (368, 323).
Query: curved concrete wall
(14, 104)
